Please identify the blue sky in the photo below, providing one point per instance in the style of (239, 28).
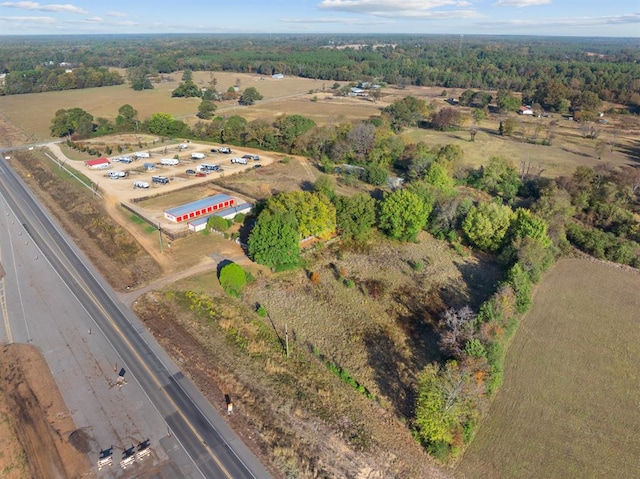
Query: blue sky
(520, 17)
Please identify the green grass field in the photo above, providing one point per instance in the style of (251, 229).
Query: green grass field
(569, 406)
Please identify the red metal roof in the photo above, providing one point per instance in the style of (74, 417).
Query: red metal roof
(97, 161)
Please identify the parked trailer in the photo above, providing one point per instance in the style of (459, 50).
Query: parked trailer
(241, 161)
(163, 180)
(197, 156)
(140, 184)
(169, 161)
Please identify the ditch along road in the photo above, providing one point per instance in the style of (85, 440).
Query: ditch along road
(213, 448)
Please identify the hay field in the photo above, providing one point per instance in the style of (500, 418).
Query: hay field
(569, 404)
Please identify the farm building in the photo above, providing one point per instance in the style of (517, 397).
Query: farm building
(200, 224)
(98, 163)
(198, 208)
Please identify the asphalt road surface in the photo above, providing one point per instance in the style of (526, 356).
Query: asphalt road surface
(54, 298)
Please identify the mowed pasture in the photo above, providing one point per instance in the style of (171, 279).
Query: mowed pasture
(569, 403)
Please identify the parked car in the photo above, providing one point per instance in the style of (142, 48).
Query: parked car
(251, 157)
(190, 172)
(214, 150)
(257, 166)
(201, 174)
(224, 149)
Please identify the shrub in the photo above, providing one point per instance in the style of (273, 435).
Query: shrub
(218, 223)
(262, 311)
(417, 266)
(314, 277)
(239, 218)
(349, 283)
(232, 279)
(286, 160)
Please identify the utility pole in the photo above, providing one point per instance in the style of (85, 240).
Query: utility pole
(160, 237)
(286, 338)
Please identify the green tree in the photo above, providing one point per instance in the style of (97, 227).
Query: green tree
(187, 89)
(73, 121)
(402, 215)
(218, 223)
(326, 185)
(528, 224)
(206, 109)
(376, 175)
(355, 216)
(127, 118)
(293, 126)
(249, 96)
(520, 281)
(405, 112)
(232, 279)
(486, 225)
(500, 178)
(234, 128)
(478, 115)
(315, 214)
(438, 177)
(160, 124)
(444, 403)
(274, 241)
(507, 102)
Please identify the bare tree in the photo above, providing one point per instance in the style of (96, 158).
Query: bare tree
(456, 326)
(362, 138)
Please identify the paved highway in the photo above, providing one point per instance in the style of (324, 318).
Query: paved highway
(215, 451)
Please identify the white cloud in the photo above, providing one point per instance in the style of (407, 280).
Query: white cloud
(404, 9)
(41, 20)
(54, 7)
(571, 21)
(338, 20)
(369, 6)
(116, 14)
(520, 3)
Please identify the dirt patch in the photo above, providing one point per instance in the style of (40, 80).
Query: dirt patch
(38, 419)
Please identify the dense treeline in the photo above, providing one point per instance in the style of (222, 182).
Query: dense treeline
(48, 78)
(609, 68)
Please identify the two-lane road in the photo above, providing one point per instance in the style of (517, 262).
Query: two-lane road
(214, 449)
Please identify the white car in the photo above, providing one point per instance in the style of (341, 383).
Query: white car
(224, 149)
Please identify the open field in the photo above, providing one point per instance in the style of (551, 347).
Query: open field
(569, 403)
(32, 113)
